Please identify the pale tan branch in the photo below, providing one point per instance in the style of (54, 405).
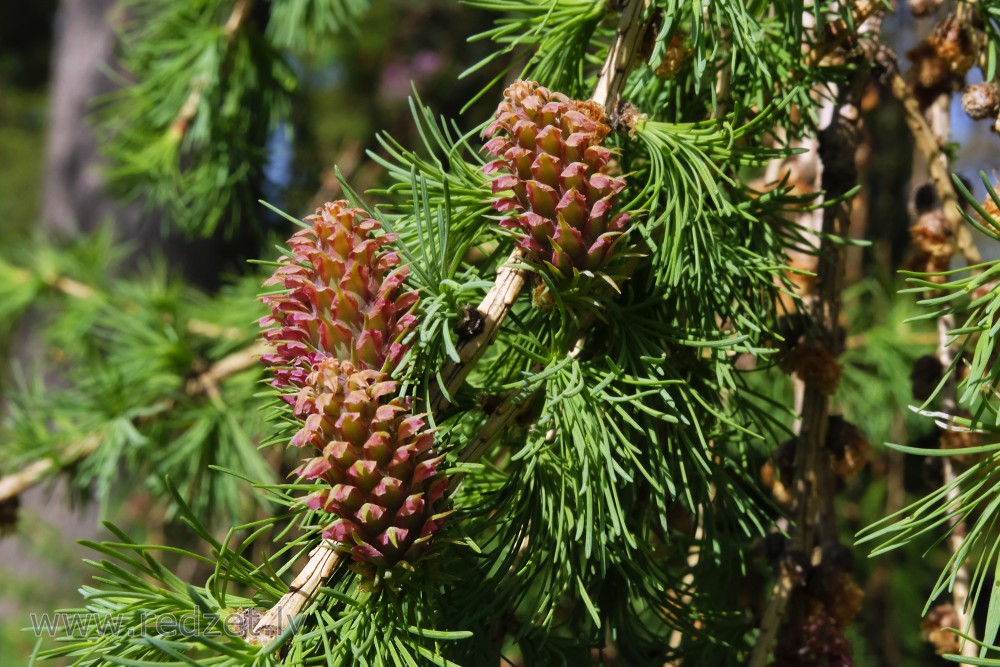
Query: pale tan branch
(321, 564)
(493, 309)
(961, 587)
(621, 55)
(208, 382)
(14, 484)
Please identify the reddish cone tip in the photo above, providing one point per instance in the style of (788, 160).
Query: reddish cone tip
(552, 178)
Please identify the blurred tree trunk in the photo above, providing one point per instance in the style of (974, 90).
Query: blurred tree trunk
(75, 197)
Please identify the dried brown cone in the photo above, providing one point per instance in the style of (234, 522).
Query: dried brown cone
(933, 235)
(819, 614)
(982, 100)
(934, 245)
(930, 75)
(817, 367)
(932, 629)
(847, 446)
(953, 41)
(844, 597)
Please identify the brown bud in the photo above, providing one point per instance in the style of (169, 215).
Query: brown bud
(777, 473)
(981, 100)
(674, 57)
(818, 368)
(627, 116)
(932, 629)
(953, 42)
(921, 8)
(932, 234)
(990, 206)
(930, 74)
(847, 445)
(541, 297)
(843, 597)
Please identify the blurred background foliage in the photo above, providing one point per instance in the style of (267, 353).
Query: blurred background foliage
(346, 89)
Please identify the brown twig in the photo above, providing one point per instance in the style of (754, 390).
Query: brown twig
(930, 147)
(811, 477)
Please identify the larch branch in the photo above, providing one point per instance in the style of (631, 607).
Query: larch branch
(204, 384)
(494, 309)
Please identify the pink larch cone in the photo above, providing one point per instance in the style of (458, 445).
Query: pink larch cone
(553, 181)
(376, 461)
(344, 298)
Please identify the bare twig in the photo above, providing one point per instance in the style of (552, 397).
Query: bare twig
(941, 129)
(930, 146)
(811, 486)
(956, 527)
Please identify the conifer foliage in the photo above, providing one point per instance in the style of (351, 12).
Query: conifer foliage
(579, 382)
